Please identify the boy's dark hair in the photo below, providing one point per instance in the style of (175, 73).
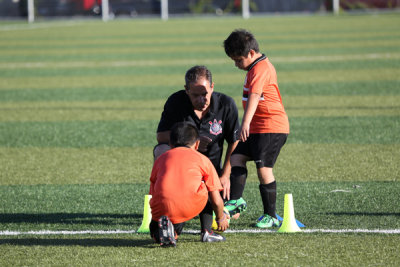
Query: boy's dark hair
(183, 134)
(239, 43)
(194, 73)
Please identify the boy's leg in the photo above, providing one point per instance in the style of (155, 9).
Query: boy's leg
(267, 189)
(164, 232)
(206, 218)
(154, 232)
(178, 229)
(268, 196)
(265, 160)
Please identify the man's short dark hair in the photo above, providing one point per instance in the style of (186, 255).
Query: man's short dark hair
(239, 43)
(183, 134)
(196, 72)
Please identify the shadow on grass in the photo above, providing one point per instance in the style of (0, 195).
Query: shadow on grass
(85, 242)
(71, 218)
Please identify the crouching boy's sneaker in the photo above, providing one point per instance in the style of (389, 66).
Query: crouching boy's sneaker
(166, 232)
(211, 237)
(266, 221)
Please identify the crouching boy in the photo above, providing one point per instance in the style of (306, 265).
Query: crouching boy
(183, 184)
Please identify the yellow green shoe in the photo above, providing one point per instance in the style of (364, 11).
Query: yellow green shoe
(235, 206)
(266, 221)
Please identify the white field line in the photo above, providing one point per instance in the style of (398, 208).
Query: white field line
(141, 63)
(246, 231)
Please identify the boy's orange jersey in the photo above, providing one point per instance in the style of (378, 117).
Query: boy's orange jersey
(179, 184)
(270, 115)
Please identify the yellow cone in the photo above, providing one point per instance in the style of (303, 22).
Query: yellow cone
(289, 224)
(144, 228)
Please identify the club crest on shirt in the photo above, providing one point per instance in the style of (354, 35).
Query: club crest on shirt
(215, 127)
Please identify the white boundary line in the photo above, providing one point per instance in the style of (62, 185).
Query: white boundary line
(247, 231)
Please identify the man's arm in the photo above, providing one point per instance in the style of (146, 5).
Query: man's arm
(226, 171)
(163, 144)
(163, 137)
(230, 136)
(168, 117)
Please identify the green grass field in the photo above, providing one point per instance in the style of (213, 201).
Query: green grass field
(79, 106)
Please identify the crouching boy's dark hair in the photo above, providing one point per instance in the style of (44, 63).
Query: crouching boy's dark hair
(183, 134)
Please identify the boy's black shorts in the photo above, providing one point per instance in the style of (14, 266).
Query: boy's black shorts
(263, 148)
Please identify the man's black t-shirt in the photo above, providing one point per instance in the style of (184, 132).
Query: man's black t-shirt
(220, 123)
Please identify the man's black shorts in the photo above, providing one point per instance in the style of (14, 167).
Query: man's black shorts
(263, 148)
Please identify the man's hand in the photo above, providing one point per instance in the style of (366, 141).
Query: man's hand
(204, 141)
(226, 184)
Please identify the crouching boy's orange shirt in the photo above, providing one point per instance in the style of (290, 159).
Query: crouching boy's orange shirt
(179, 184)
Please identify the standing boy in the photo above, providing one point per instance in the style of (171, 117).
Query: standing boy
(264, 128)
(181, 183)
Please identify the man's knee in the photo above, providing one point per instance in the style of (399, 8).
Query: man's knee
(159, 149)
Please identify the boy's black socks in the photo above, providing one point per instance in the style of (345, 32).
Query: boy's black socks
(238, 181)
(206, 218)
(268, 196)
